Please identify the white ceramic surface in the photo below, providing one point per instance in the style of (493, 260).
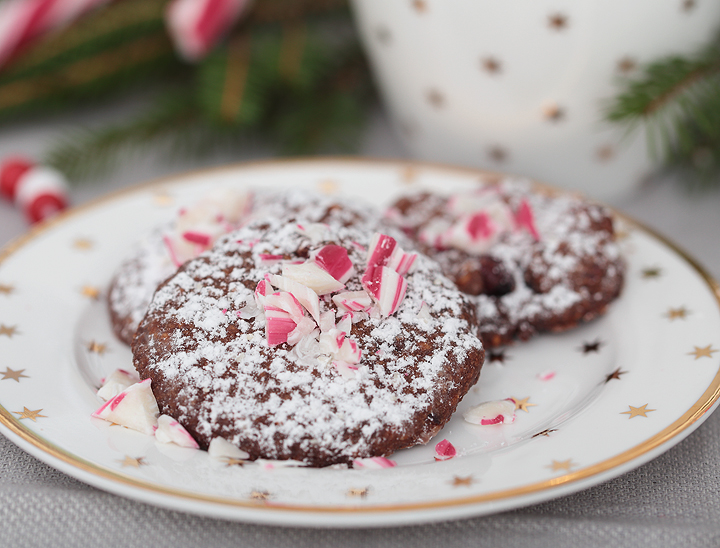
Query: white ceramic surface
(625, 388)
(521, 86)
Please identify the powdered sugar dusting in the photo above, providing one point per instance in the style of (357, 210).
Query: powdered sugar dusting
(291, 402)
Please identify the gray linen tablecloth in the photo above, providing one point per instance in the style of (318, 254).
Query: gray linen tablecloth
(671, 501)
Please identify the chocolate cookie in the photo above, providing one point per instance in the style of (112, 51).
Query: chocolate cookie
(531, 260)
(197, 227)
(318, 343)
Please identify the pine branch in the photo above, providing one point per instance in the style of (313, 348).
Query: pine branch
(86, 153)
(678, 101)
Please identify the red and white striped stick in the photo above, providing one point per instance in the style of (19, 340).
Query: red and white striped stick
(23, 20)
(195, 26)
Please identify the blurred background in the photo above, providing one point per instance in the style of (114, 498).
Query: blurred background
(607, 98)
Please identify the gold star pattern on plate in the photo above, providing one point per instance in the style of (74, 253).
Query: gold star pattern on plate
(553, 113)
(83, 244)
(615, 375)
(677, 313)
(131, 462)
(498, 154)
(557, 21)
(91, 292)
(498, 356)
(564, 465)
(522, 404)
(162, 198)
(409, 175)
(8, 330)
(234, 462)
(651, 272)
(466, 481)
(96, 347)
(545, 433)
(637, 411)
(491, 65)
(362, 493)
(328, 186)
(704, 352)
(6, 289)
(435, 98)
(259, 495)
(12, 374)
(605, 153)
(591, 346)
(28, 414)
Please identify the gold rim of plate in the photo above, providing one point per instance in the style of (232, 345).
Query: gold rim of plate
(701, 406)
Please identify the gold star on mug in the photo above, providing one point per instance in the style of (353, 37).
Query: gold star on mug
(133, 462)
(8, 330)
(498, 154)
(564, 465)
(605, 153)
(704, 352)
(259, 495)
(553, 113)
(674, 313)
(626, 65)
(557, 21)
(637, 411)
(362, 493)
(419, 5)
(491, 65)
(28, 414)
(6, 289)
(230, 461)
(435, 98)
(12, 374)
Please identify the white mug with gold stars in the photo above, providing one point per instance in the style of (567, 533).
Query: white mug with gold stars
(520, 86)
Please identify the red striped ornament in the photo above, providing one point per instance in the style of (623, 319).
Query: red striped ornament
(39, 191)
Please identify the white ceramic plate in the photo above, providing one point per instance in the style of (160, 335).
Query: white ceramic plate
(625, 388)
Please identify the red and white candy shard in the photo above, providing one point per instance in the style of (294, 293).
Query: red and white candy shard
(134, 407)
(525, 219)
(491, 412)
(445, 450)
(387, 288)
(378, 254)
(311, 275)
(303, 294)
(171, 431)
(335, 260)
(116, 382)
(374, 463)
(345, 369)
(400, 261)
(355, 301)
(221, 448)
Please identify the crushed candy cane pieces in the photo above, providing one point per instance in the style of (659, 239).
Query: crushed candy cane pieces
(116, 382)
(222, 449)
(374, 463)
(134, 407)
(491, 412)
(171, 431)
(445, 450)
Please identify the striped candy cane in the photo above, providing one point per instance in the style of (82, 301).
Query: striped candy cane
(23, 20)
(197, 25)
